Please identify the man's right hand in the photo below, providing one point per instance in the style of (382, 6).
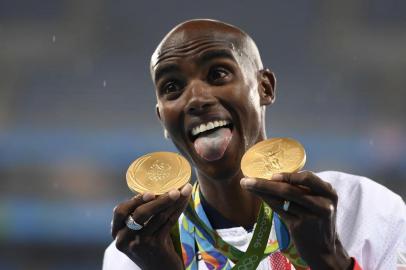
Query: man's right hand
(150, 247)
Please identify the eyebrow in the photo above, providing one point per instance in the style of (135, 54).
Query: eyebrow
(212, 54)
(204, 57)
(165, 69)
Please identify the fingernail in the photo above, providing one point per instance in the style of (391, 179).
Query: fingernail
(247, 182)
(277, 177)
(146, 197)
(174, 194)
(186, 190)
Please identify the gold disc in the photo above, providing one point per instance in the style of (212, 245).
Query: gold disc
(272, 156)
(158, 172)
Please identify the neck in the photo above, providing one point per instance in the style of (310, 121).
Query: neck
(230, 200)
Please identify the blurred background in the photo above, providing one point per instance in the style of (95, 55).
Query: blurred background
(77, 105)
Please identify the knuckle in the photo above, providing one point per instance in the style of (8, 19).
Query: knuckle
(261, 185)
(135, 198)
(288, 177)
(120, 244)
(334, 196)
(118, 211)
(328, 209)
(138, 213)
(307, 175)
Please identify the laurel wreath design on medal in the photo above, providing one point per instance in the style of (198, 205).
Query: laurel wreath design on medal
(272, 156)
(158, 172)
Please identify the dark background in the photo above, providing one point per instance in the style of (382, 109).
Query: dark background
(77, 105)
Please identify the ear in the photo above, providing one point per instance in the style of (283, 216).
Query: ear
(266, 86)
(157, 112)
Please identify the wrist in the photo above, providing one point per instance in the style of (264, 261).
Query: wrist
(335, 262)
(338, 260)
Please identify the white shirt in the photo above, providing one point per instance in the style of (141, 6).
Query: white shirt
(371, 224)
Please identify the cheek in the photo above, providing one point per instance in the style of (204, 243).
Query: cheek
(250, 113)
(170, 116)
(249, 103)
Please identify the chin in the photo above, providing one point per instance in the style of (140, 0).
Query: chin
(220, 175)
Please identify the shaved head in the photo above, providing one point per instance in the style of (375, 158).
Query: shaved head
(204, 72)
(182, 40)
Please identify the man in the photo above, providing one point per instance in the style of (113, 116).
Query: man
(212, 91)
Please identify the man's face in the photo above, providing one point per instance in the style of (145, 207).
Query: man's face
(207, 95)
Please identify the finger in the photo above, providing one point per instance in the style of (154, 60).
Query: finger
(163, 217)
(121, 211)
(294, 210)
(285, 191)
(123, 238)
(172, 219)
(172, 214)
(145, 211)
(307, 179)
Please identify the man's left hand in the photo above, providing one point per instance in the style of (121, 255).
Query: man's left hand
(310, 214)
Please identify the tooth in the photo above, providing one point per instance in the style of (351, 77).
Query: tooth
(203, 128)
(194, 131)
(210, 125)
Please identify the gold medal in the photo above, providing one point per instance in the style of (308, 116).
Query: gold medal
(158, 172)
(272, 156)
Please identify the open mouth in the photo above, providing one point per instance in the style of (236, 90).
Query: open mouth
(212, 138)
(209, 127)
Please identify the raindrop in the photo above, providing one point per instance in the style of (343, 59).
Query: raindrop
(371, 142)
(53, 39)
(104, 83)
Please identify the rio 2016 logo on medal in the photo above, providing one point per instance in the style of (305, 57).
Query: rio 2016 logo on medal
(158, 172)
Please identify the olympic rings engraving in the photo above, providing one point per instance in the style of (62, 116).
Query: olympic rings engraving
(248, 263)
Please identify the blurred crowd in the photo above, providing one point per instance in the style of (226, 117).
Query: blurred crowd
(77, 105)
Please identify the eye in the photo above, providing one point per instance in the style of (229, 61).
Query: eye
(218, 74)
(171, 87)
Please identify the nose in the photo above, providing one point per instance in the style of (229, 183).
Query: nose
(200, 100)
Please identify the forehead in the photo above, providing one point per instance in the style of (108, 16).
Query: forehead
(202, 46)
(190, 47)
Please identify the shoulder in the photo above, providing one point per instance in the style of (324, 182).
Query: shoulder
(354, 191)
(115, 259)
(371, 219)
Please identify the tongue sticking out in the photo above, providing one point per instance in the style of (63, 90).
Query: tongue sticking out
(212, 146)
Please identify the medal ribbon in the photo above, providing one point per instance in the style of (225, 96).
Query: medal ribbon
(196, 227)
(231, 252)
